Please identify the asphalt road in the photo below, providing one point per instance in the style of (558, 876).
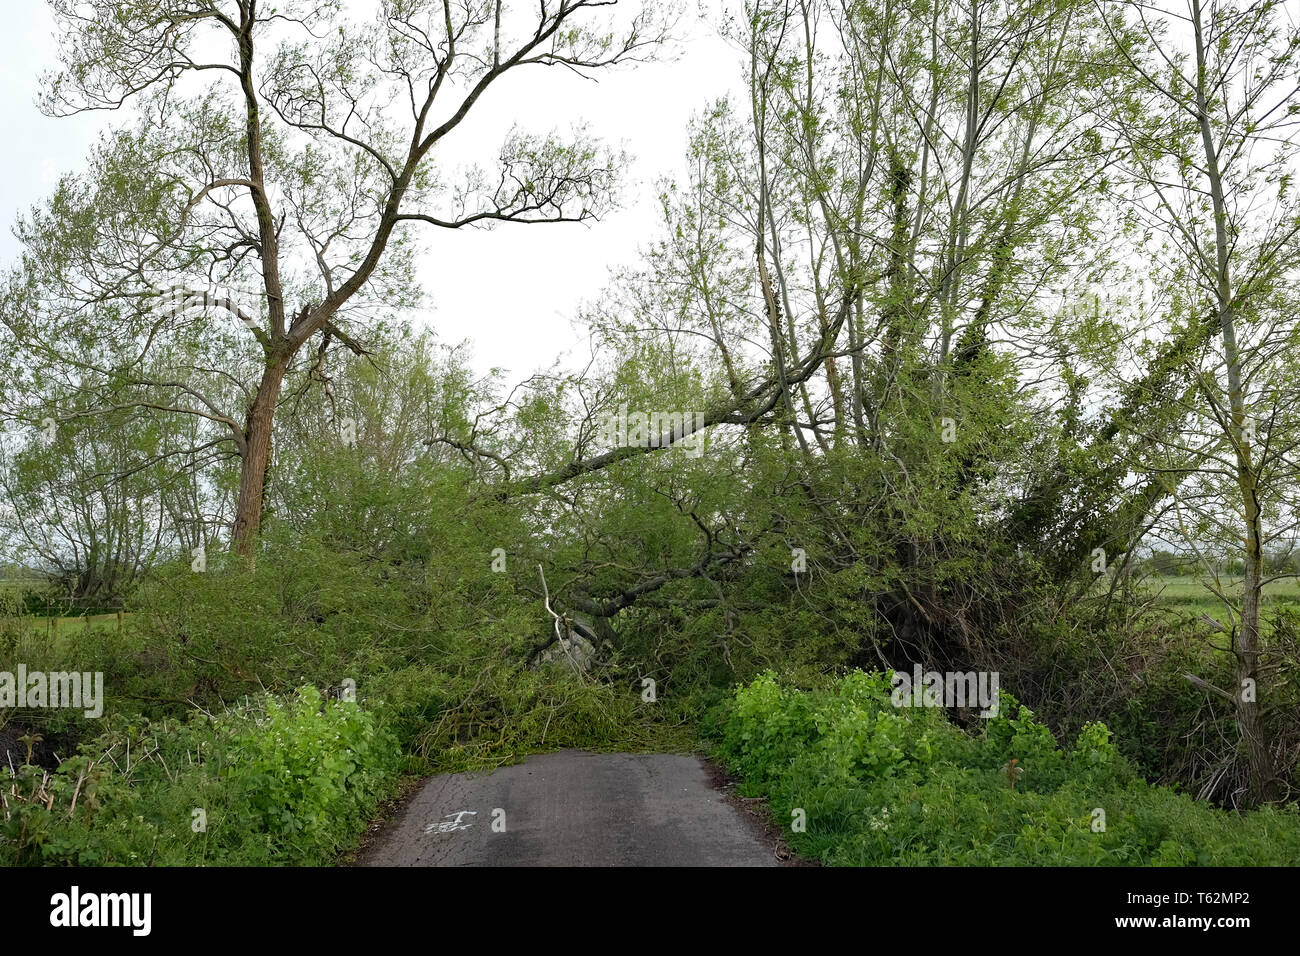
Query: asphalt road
(572, 808)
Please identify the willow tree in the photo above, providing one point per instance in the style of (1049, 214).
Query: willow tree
(1213, 135)
(260, 209)
(862, 249)
(863, 244)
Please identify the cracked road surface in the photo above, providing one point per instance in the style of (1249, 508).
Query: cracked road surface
(572, 808)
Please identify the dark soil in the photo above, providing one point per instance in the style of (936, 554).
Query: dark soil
(757, 814)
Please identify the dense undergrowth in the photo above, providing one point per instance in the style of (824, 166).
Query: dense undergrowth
(224, 740)
(287, 781)
(868, 783)
(230, 736)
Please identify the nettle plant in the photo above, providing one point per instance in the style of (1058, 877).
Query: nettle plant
(310, 770)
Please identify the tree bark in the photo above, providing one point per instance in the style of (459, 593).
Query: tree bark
(1259, 759)
(256, 459)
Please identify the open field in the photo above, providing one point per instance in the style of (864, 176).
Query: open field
(49, 633)
(1190, 594)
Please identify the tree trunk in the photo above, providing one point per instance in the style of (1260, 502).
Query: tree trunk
(256, 460)
(1259, 760)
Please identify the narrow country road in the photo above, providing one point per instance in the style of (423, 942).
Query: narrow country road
(573, 808)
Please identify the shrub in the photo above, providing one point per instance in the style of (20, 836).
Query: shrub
(885, 786)
(274, 781)
(310, 773)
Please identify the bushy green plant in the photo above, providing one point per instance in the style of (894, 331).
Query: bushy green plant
(885, 786)
(767, 727)
(273, 781)
(309, 771)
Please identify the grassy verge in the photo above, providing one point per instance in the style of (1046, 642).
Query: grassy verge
(274, 781)
(857, 781)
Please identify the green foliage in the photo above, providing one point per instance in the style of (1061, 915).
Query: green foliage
(1015, 734)
(310, 772)
(452, 721)
(277, 781)
(886, 786)
(767, 726)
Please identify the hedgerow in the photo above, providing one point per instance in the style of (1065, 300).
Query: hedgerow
(857, 781)
(273, 781)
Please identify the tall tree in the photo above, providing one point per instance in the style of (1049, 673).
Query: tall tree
(280, 157)
(1212, 139)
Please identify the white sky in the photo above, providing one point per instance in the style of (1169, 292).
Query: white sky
(512, 290)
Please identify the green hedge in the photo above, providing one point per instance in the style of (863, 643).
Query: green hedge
(880, 785)
(276, 781)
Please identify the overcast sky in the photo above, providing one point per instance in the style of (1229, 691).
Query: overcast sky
(513, 290)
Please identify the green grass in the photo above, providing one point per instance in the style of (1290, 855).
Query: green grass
(1190, 594)
(96, 620)
(38, 624)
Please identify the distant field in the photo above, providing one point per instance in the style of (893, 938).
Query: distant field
(95, 620)
(1190, 594)
(67, 626)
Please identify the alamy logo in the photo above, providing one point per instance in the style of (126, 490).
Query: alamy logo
(102, 909)
(949, 689)
(175, 301)
(452, 825)
(621, 429)
(80, 691)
